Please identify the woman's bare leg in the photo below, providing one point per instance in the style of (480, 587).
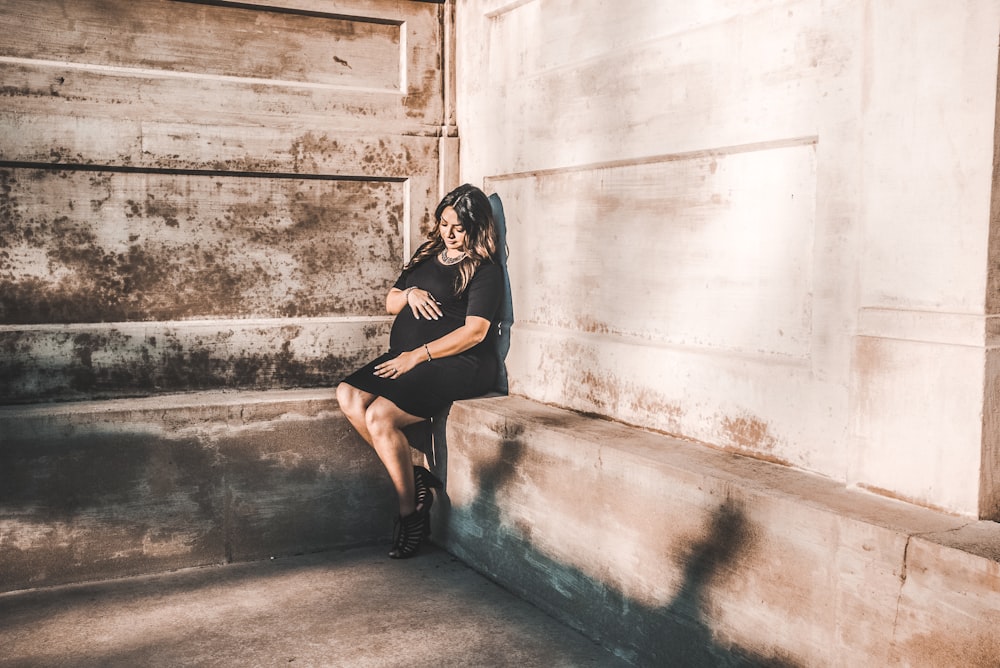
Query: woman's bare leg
(385, 421)
(354, 403)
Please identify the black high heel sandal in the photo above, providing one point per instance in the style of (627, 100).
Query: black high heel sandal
(423, 482)
(409, 533)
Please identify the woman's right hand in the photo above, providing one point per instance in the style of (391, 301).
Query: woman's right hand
(423, 304)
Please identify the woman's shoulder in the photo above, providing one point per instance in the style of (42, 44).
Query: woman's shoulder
(488, 276)
(488, 269)
(488, 265)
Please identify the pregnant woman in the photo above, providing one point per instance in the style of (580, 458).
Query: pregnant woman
(441, 348)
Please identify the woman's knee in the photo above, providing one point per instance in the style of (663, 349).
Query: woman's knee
(350, 399)
(380, 416)
(375, 417)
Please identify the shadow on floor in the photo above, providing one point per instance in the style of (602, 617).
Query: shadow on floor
(356, 608)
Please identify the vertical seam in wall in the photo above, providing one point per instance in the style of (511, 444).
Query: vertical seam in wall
(902, 581)
(905, 566)
(407, 223)
(448, 63)
(227, 518)
(403, 58)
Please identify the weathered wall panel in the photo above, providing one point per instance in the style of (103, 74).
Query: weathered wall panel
(736, 224)
(125, 95)
(244, 178)
(300, 147)
(104, 246)
(636, 79)
(91, 361)
(167, 59)
(265, 42)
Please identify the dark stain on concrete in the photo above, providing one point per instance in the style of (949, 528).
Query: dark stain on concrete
(162, 209)
(422, 96)
(312, 152)
(748, 432)
(108, 363)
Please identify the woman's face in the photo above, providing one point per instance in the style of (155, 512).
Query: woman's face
(451, 230)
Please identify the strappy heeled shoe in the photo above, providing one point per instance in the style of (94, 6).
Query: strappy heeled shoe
(423, 482)
(409, 533)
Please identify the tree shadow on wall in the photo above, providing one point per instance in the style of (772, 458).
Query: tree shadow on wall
(677, 634)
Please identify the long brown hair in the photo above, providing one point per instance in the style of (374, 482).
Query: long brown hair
(476, 216)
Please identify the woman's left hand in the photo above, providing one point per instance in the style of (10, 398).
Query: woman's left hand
(397, 366)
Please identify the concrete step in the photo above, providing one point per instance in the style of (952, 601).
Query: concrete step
(673, 553)
(354, 608)
(101, 489)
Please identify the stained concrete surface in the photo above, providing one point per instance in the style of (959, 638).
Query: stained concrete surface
(354, 608)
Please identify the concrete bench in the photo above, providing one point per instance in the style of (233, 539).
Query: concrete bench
(672, 553)
(102, 489)
(667, 552)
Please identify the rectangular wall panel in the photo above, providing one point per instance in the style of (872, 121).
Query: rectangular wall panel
(706, 250)
(98, 246)
(628, 80)
(128, 359)
(371, 65)
(265, 43)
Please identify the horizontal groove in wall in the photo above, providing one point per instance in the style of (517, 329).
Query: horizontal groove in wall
(666, 157)
(624, 338)
(974, 330)
(128, 169)
(213, 324)
(179, 400)
(509, 7)
(179, 74)
(311, 13)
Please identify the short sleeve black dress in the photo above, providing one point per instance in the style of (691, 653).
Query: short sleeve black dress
(430, 386)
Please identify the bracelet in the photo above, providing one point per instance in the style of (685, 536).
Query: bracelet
(428, 351)
(406, 293)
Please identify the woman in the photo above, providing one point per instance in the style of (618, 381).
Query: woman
(441, 349)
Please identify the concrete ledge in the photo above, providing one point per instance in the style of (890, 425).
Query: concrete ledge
(672, 553)
(95, 490)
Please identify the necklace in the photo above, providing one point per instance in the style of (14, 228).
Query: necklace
(448, 261)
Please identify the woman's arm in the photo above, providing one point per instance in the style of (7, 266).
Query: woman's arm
(454, 342)
(457, 341)
(421, 302)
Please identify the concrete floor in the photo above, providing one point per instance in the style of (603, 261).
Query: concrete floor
(356, 608)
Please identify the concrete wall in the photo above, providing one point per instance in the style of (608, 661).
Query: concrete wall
(201, 195)
(761, 225)
(101, 489)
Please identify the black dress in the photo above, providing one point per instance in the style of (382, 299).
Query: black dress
(430, 386)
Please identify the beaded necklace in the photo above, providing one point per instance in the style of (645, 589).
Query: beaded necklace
(448, 261)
